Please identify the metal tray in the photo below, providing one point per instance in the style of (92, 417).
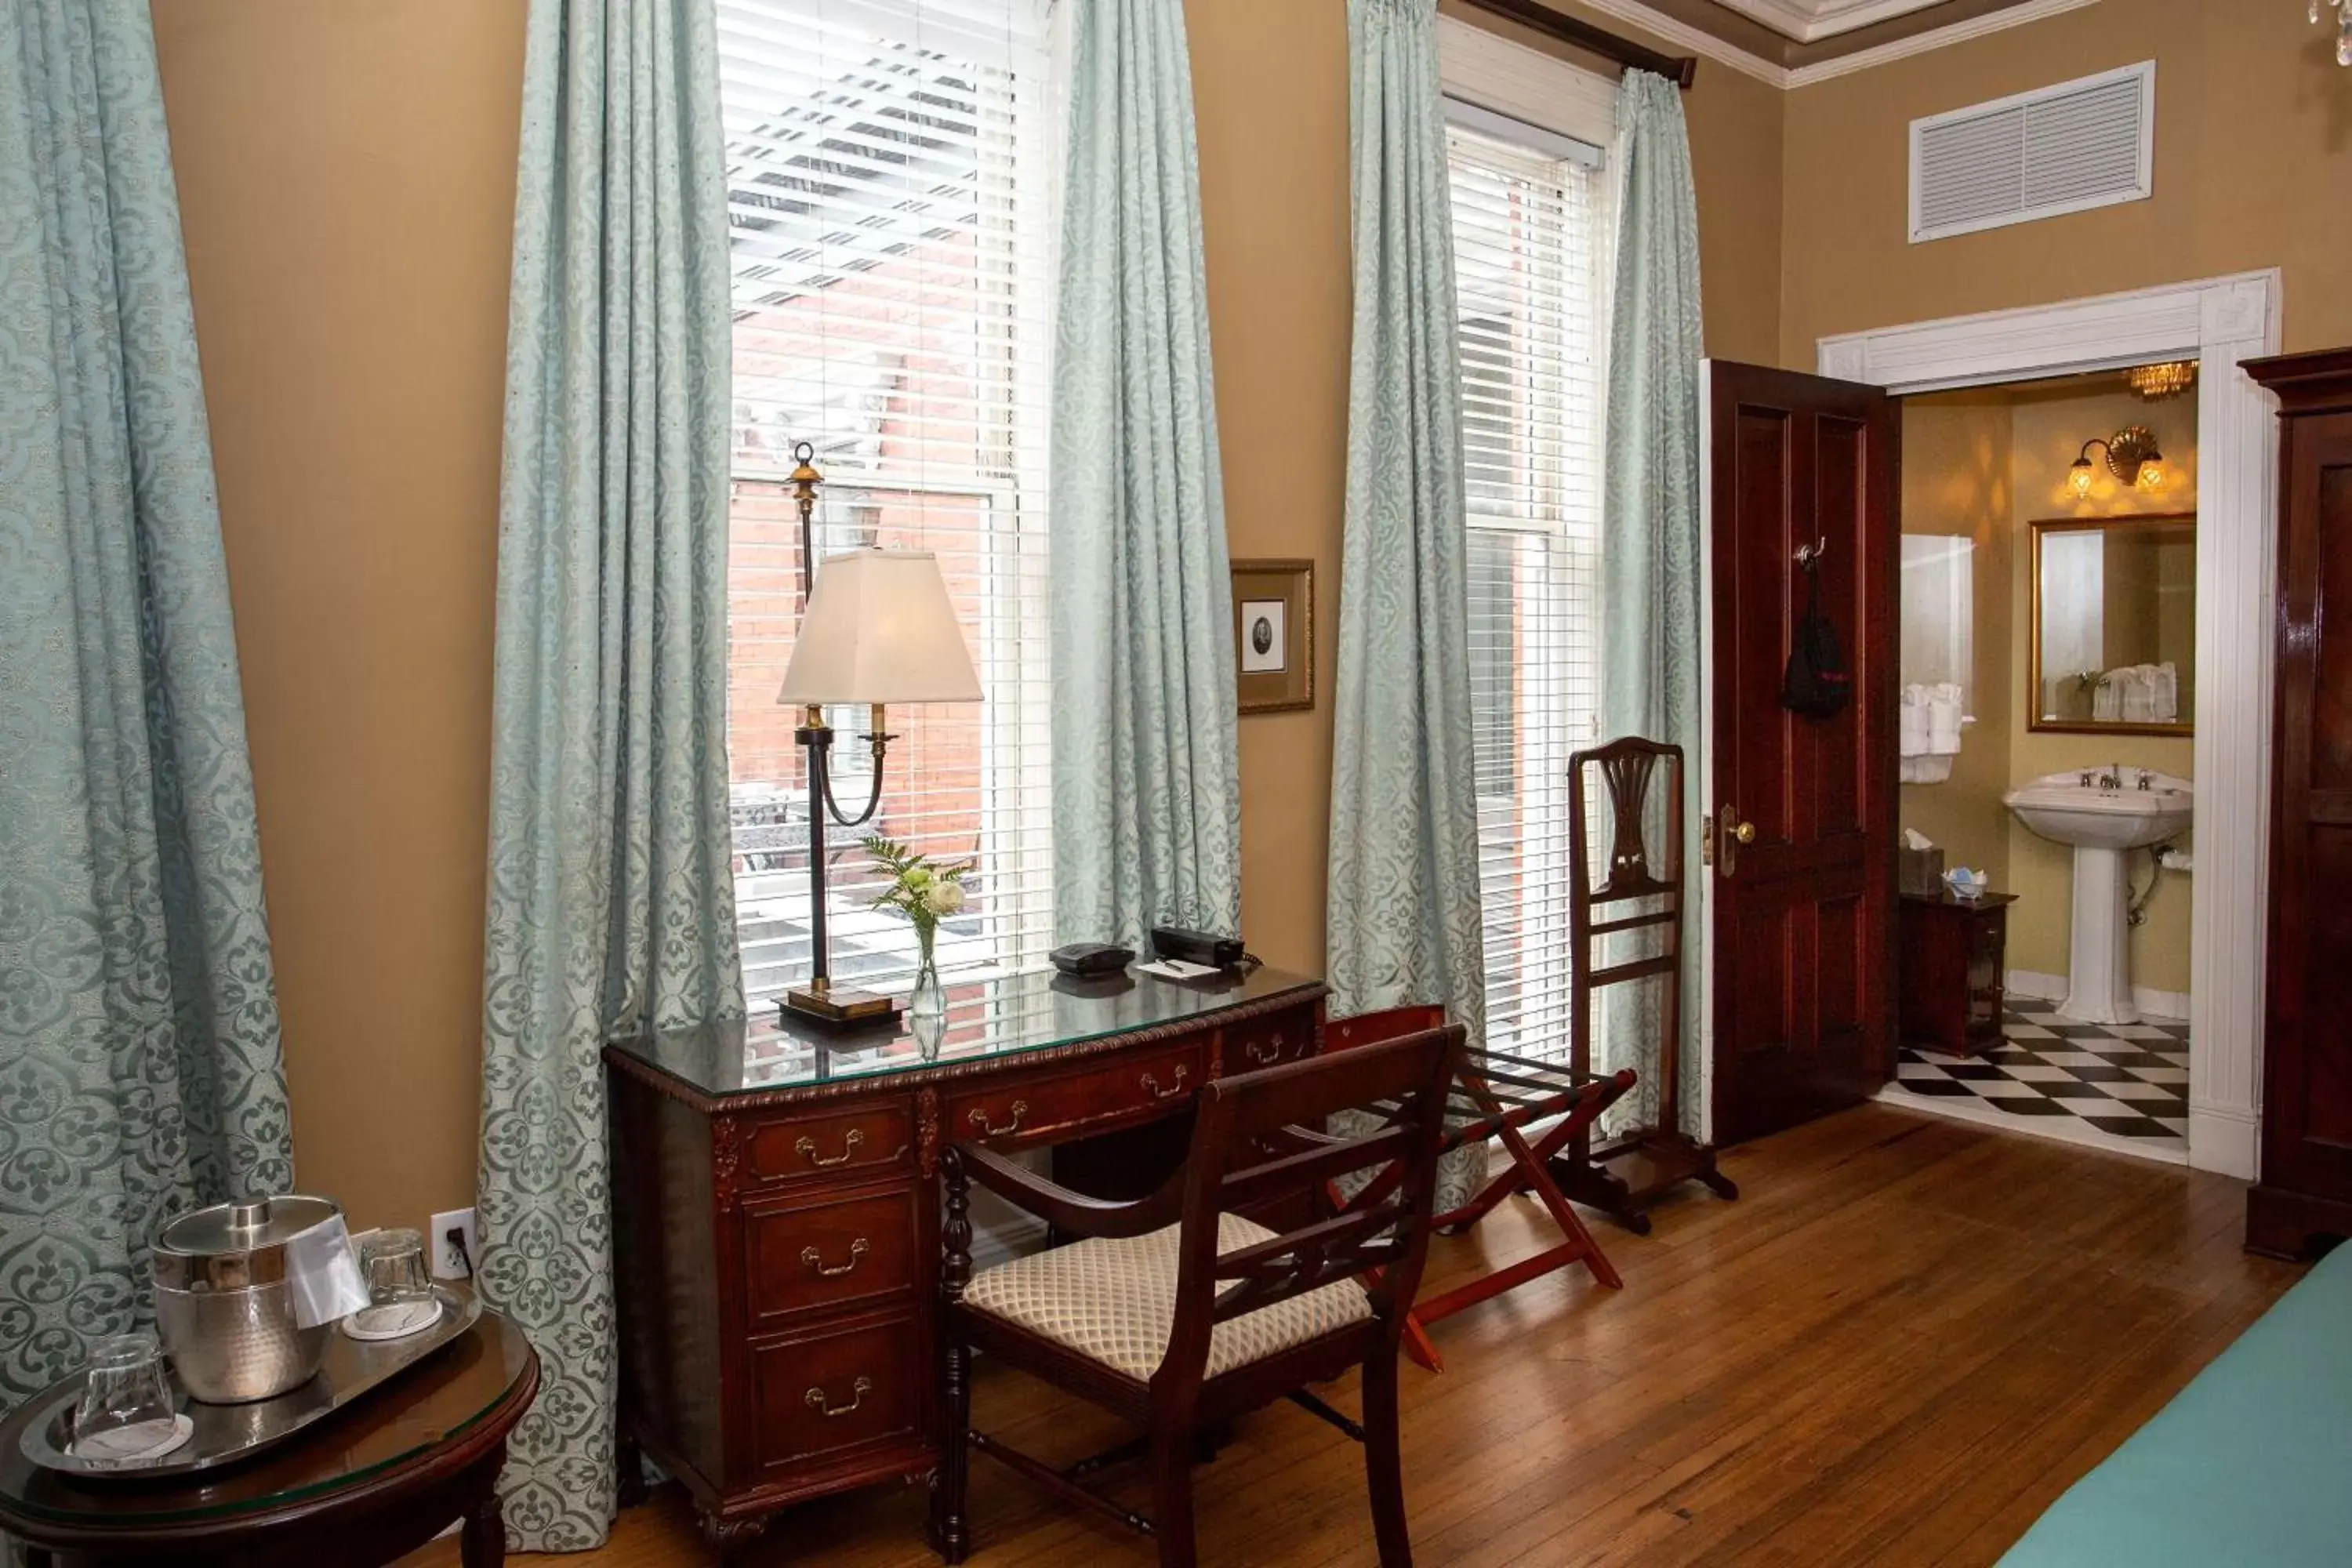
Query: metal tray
(226, 1434)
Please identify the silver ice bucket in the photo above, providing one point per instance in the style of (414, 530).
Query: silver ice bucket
(227, 1279)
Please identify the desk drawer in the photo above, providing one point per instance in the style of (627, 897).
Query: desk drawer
(1044, 1108)
(823, 1395)
(1266, 1042)
(866, 1140)
(808, 1252)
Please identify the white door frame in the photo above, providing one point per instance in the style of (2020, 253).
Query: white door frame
(2218, 322)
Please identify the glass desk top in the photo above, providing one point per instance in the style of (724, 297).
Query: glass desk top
(985, 1019)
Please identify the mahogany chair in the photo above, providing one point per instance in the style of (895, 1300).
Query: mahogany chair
(1179, 1314)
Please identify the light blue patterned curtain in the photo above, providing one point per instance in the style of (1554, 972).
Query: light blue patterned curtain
(139, 1053)
(611, 904)
(1650, 544)
(1404, 923)
(1147, 793)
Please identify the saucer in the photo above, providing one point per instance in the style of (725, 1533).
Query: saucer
(136, 1444)
(395, 1321)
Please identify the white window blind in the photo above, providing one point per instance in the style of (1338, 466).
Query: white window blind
(891, 179)
(1529, 239)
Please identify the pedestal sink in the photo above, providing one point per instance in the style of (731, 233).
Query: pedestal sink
(2103, 814)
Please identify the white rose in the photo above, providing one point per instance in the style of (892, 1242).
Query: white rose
(947, 898)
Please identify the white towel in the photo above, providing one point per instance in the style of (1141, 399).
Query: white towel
(2107, 700)
(1943, 709)
(1911, 722)
(2167, 709)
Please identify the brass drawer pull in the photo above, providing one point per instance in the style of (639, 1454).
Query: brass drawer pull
(806, 1149)
(1266, 1052)
(980, 1121)
(1175, 1086)
(814, 1399)
(815, 1260)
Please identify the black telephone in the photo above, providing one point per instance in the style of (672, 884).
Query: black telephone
(1093, 958)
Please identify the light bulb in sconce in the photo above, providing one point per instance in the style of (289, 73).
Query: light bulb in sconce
(2151, 474)
(2078, 477)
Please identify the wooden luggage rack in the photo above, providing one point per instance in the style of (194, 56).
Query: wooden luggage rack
(1495, 1097)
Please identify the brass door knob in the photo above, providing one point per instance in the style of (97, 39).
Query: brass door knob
(1733, 832)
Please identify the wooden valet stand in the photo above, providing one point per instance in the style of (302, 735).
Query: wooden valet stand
(1621, 1175)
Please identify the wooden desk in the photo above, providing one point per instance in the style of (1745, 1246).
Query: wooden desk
(776, 1209)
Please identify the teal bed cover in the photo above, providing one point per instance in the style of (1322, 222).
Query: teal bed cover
(2250, 1464)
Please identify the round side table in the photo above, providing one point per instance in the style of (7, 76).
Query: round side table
(363, 1485)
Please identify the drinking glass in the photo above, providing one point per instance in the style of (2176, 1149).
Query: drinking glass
(393, 1262)
(126, 1403)
(400, 1291)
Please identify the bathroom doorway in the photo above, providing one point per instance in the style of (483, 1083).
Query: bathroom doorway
(2048, 646)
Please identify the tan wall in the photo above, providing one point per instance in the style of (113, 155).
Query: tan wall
(2048, 431)
(2252, 161)
(346, 177)
(347, 190)
(1956, 480)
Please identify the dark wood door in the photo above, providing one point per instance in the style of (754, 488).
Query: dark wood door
(1803, 909)
(2306, 1164)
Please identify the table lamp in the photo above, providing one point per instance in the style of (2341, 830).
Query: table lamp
(879, 630)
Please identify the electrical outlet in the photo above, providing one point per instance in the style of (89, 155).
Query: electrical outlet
(448, 1263)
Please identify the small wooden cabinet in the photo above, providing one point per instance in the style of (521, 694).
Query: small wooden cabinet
(1953, 957)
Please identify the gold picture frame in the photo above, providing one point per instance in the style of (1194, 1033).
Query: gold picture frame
(2037, 719)
(1274, 635)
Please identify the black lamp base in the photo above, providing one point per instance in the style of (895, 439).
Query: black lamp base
(837, 1009)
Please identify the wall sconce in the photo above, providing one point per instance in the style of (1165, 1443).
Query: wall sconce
(2132, 456)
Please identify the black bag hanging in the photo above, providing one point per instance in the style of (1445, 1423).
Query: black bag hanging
(1817, 683)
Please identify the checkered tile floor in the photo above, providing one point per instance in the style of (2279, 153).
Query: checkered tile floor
(2127, 1081)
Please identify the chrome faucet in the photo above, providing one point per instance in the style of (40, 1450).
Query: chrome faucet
(2146, 779)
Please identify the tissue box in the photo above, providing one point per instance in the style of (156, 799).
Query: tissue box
(1919, 871)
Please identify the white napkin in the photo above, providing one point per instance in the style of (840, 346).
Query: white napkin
(323, 1275)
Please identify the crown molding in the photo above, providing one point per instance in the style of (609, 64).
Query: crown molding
(1683, 36)
(1940, 38)
(1706, 44)
(1811, 21)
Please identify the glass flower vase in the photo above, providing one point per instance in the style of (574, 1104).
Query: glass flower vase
(929, 1000)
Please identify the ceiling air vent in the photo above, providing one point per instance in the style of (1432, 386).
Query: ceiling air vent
(2062, 149)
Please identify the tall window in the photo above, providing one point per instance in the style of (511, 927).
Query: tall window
(1529, 231)
(889, 174)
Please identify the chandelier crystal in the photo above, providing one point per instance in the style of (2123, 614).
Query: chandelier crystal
(2153, 382)
(2343, 9)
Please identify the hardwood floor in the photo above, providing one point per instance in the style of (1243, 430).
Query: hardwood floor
(1907, 1338)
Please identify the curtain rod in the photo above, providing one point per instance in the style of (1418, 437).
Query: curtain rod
(1680, 69)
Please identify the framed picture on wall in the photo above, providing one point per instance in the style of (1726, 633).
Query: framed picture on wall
(1274, 635)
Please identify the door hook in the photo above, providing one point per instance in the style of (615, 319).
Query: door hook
(1810, 556)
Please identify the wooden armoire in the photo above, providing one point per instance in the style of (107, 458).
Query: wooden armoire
(2305, 1189)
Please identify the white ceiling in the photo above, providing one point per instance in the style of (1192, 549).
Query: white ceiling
(1809, 21)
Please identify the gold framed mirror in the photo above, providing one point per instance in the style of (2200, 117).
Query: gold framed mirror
(2115, 626)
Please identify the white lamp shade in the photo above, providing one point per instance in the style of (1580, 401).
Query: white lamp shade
(879, 629)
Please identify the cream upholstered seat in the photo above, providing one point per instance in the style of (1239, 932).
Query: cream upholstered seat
(1114, 1300)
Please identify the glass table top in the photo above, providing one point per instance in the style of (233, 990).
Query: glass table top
(989, 1018)
(425, 1405)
